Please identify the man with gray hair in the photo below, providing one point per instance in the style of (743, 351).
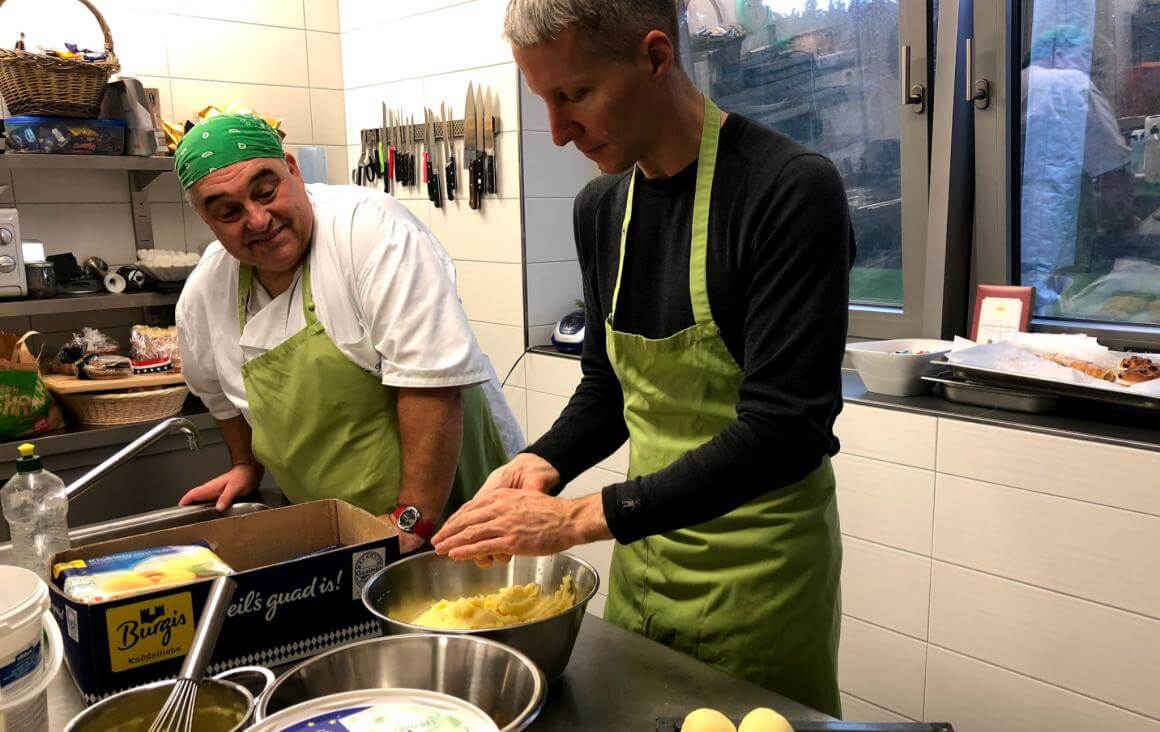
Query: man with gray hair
(715, 255)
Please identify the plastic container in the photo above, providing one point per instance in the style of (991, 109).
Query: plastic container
(391, 710)
(63, 136)
(30, 651)
(35, 506)
(896, 367)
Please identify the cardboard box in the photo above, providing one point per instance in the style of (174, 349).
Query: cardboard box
(296, 597)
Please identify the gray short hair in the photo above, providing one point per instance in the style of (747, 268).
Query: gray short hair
(613, 27)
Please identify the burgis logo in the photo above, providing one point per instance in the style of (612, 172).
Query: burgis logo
(153, 621)
(150, 631)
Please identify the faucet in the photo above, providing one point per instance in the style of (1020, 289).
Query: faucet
(170, 426)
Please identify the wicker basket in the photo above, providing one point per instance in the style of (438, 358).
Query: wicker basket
(111, 408)
(35, 84)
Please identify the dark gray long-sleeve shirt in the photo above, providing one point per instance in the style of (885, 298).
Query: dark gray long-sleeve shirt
(780, 251)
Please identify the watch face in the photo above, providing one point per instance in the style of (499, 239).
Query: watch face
(408, 518)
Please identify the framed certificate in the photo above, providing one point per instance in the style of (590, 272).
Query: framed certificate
(1001, 309)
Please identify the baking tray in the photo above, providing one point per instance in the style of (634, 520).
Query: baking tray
(994, 377)
(995, 397)
(673, 724)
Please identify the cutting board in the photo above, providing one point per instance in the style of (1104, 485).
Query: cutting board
(61, 384)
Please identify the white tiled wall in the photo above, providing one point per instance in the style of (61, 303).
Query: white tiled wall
(995, 578)
(552, 178)
(423, 53)
(280, 57)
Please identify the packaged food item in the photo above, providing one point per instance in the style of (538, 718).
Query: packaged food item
(137, 572)
(151, 347)
(104, 367)
(65, 136)
(89, 342)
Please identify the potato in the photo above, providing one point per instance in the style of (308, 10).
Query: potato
(707, 720)
(763, 719)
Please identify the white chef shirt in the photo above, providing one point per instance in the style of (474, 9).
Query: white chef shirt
(384, 290)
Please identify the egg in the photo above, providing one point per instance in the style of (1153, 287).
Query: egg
(764, 719)
(707, 720)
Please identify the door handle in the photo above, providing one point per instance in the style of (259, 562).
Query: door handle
(915, 95)
(978, 90)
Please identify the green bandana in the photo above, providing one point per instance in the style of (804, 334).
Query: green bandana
(221, 141)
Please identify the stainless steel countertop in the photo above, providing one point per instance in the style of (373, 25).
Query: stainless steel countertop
(616, 680)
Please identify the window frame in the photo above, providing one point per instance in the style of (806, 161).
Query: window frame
(880, 322)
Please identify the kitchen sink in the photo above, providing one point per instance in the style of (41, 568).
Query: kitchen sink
(141, 523)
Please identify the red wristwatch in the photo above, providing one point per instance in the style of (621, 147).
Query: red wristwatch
(410, 520)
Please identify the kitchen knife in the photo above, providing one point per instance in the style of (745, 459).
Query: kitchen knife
(393, 162)
(434, 191)
(469, 145)
(489, 142)
(384, 152)
(414, 152)
(427, 140)
(404, 151)
(480, 172)
(449, 143)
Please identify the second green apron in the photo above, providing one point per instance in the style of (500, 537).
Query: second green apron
(326, 428)
(755, 592)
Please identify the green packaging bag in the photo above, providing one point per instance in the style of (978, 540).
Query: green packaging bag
(26, 407)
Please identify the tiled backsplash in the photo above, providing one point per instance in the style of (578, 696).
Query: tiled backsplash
(422, 53)
(552, 177)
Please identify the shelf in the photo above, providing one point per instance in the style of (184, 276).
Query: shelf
(84, 303)
(157, 163)
(75, 438)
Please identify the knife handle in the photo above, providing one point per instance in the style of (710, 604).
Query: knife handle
(428, 178)
(426, 167)
(451, 182)
(481, 175)
(436, 189)
(472, 186)
(490, 174)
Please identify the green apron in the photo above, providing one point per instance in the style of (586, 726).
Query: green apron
(326, 428)
(754, 593)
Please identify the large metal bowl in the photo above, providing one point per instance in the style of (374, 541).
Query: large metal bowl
(503, 682)
(408, 587)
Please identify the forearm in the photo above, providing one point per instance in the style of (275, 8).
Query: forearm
(238, 436)
(431, 436)
(743, 462)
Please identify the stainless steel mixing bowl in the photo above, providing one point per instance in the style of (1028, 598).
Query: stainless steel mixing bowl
(501, 681)
(408, 587)
(223, 705)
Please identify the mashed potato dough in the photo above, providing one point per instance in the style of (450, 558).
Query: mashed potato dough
(509, 606)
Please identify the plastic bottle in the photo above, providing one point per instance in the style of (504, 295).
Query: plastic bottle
(36, 507)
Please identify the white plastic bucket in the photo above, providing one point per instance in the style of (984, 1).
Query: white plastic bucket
(31, 649)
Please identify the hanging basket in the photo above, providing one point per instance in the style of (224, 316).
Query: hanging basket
(38, 85)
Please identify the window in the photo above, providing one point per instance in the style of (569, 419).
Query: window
(827, 74)
(1090, 170)
(1079, 165)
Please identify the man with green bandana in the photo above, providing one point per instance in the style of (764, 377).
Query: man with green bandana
(323, 331)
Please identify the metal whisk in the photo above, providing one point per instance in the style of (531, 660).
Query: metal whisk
(177, 714)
